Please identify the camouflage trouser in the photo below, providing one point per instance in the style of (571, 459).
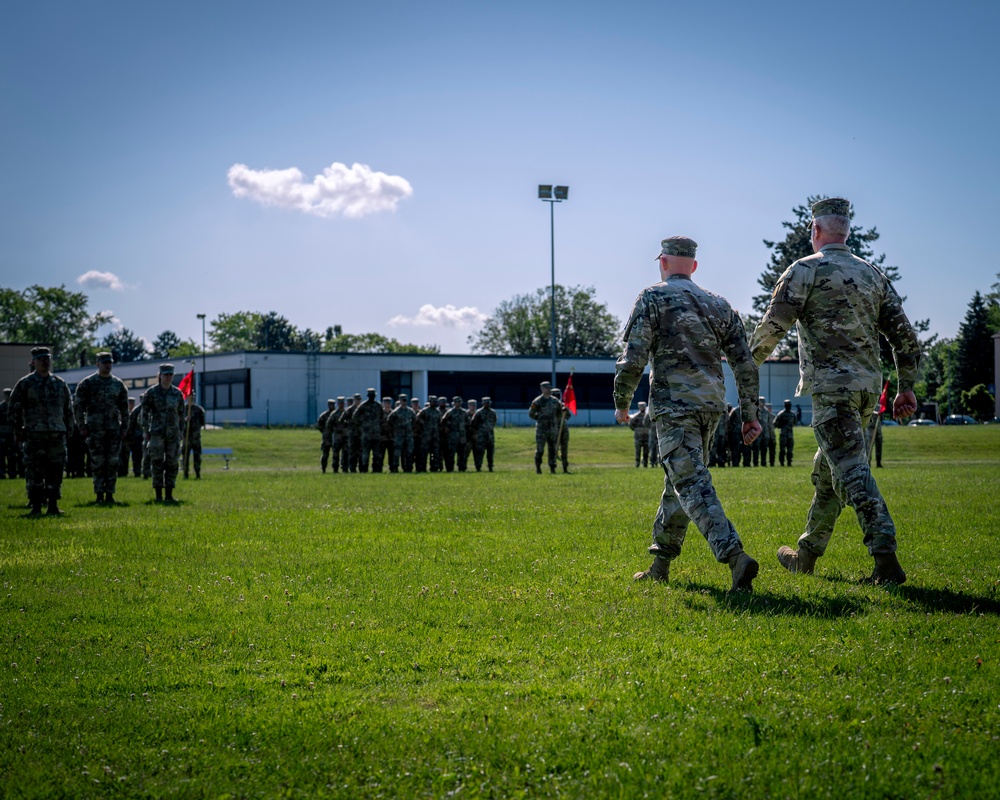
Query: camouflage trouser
(147, 468)
(422, 452)
(433, 446)
(339, 441)
(10, 464)
(193, 454)
(757, 452)
(688, 494)
(654, 447)
(772, 445)
(564, 445)
(105, 452)
(353, 451)
(546, 436)
(325, 449)
(842, 476)
(484, 446)
(402, 450)
(44, 460)
(641, 440)
(787, 446)
(370, 446)
(452, 446)
(163, 452)
(386, 447)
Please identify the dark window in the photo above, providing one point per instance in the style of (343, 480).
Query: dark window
(396, 383)
(226, 388)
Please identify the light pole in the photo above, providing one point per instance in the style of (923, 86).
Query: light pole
(553, 195)
(201, 386)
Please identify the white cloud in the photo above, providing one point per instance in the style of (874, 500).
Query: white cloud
(340, 191)
(100, 280)
(443, 317)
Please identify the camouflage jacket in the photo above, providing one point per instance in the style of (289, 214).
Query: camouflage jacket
(639, 423)
(101, 404)
(162, 410)
(321, 422)
(785, 421)
(454, 422)
(334, 425)
(40, 405)
(682, 332)
(841, 304)
(369, 418)
(734, 424)
(401, 421)
(349, 421)
(430, 419)
(766, 420)
(545, 411)
(197, 422)
(484, 421)
(134, 428)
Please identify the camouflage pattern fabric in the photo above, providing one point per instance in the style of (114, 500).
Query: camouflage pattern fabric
(483, 425)
(639, 423)
(352, 439)
(10, 455)
(720, 443)
(401, 422)
(545, 411)
(654, 444)
(767, 433)
(453, 438)
(193, 454)
(334, 427)
(164, 451)
(841, 475)
(326, 443)
(785, 423)
(131, 445)
(369, 421)
(163, 419)
(429, 420)
(40, 413)
(738, 451)
(101, 408)
(563, 433)
(44, 458)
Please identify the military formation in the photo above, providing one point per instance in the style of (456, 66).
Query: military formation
(362, 435)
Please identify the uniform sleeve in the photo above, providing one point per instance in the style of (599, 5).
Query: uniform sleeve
(79, 410)
(632, 362)
(743, 365)
(67, 402)
(790, 293)
(123, 409)
(145, 415)
(896, 328)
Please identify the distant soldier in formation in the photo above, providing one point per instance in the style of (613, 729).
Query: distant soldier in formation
(368, 418)
(40, 413)
(401, 421)
(639, 423)
(545, 411)
(196, 421)
(654, 444)
(427, 426)
(386, 445)
(470, 439)
(482, 426)
(442, 409)
(132, 446)
(562, 429)
(10, 454)
(738, 451)
(101, 411)
(454, 429)
(418, 435)
(334, 427)
(766, 417)
(876, 424)
(785, 423)
(720, 442)
(163, 424)
(327, 442)
(352, 433)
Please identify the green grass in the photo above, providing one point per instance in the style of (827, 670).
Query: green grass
(286, 633)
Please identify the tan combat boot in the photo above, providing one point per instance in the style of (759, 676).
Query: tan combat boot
(887, 571)
(744, 569)
(800, 560)
(659, 570)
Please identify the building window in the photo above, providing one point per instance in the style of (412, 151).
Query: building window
(396, 383)
(228, 388)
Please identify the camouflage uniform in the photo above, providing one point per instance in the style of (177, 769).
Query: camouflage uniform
(10, 461)
(41, 415)
(681, 330)
(841, 303)
(545, 411)
(401, 422)
(785, 422)
(327, 441)
(482, 426)
(737, 449)
(163, 422)
(101, 410)
(428, 423)
(386, 445)
(562, 430)
(639, 423)
(470, 437)
(767, 425)
(454, 424)
(368, 418)
(720, 443)
(654, 444)
(132, 445)
(352, 435)
(334, 428)
(197, 422)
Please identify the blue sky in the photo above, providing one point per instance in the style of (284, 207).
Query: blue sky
(142, 142)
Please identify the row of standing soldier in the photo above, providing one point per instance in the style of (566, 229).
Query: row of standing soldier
(357, 436)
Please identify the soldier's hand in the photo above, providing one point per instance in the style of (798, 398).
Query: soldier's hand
(751, 430)
(904, 405)
(621, 416)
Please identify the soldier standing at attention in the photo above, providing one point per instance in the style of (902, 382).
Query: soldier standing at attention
(767, 424)
(8, 468)
(545, 411)
(426, 425)
(470, 437)
(682, 331)
(101, 410)
(132, 446)
(737, 448)
(639, 423)
(385, 444)
(482, 426)
(163, 423)
(334, 426)
(562, 429)
(654, 444)
(369, 420)
(442, 409)
(454, 424)
(401, 422)
(841, 304)
(194, 425)
(41, 415)
(352, 435)
(327, 443)
(785, 422)
(720, 449)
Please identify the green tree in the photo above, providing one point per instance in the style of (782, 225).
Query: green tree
(522, 325)
(234, 332)
(993, 307)
(974, 351)
(125, 346)
(372, 343)
(979, 402)
(164, 343)
(54, 316)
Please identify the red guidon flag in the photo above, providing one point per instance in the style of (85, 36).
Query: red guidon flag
(569, 396)
(884, 399)
(187, 384)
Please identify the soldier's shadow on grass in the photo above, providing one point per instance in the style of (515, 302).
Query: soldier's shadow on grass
(772, 605)
(947, 600)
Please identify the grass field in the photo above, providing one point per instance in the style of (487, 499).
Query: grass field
(282, 633)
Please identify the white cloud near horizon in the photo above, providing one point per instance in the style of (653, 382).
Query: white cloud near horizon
(101, 280)
(444, 317)
(352, 192)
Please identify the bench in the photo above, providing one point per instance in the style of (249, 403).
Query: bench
(219, 452)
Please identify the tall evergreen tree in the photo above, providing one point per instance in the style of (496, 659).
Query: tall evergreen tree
(125, 346)
(974, 350)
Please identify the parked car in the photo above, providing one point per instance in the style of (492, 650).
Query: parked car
(917, 423)
(889, 422)
(959, 419)
(994, 421)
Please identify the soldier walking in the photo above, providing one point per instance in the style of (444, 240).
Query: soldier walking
(101, 411)
(163, 423)
(40, 413)
(682, 331)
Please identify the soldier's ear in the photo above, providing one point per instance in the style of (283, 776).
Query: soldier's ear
(694, 267)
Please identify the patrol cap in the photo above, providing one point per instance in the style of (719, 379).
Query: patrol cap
(357, 395)
(6, 391)
(414, 399)
(41, 352)
(402, 397)
(387, 399)
(642, 404)
(680, 246)
(544, 384)
(831, 205)
(557, 392)
(331, 400)
(432, 398)
(442, 400)
(456, 399)
(104, 357)
(340, 398)
(166, 369)
(370, 391)
(788, 402)
(486, 401)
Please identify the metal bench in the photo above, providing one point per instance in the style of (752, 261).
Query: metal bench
(219, 452)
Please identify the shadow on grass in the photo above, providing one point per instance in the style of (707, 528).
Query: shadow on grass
(948, 600)
(773, 605)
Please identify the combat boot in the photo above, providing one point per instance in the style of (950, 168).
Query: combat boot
(887, 571)
(170, 495)
(744, 570)
(659, 570)
(159, 494)
(800, 560)
(54, 510)
(109, 498)
(36, 508)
